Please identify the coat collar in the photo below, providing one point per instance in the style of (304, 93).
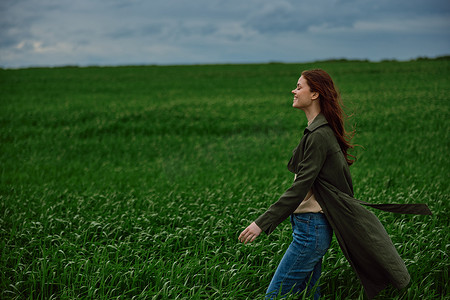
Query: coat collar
(318, 121)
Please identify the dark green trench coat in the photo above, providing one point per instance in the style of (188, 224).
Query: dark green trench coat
(320, 164)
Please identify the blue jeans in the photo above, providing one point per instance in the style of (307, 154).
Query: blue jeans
(302, 263)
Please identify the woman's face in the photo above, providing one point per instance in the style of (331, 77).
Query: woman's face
(303, 97)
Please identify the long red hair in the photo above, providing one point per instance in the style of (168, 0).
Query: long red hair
(331, 107)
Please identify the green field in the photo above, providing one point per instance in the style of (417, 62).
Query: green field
(135, 182)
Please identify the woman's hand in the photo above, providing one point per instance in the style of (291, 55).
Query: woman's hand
(250, 233)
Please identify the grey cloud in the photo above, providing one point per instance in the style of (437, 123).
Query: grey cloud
(8, 41)
(186, 29)
(164, 31)
(13, 31)
(7, 5)
(17, 19)
(411, 7)
(276, 17)
(292, 16)
(136, 31)
(168, 30)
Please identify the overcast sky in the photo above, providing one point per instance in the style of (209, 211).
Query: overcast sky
(123, 32)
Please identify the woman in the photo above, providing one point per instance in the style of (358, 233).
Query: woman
(321, 201)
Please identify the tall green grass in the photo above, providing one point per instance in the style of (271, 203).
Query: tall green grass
(135, 182)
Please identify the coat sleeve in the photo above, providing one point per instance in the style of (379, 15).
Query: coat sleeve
(314, 155)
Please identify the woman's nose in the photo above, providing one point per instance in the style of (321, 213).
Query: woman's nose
(293, 91)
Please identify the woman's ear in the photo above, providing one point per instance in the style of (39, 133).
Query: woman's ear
(315, 96)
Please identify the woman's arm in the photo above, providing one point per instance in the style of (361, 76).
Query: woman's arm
(314, 156)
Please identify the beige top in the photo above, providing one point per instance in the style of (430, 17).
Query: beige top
(309, 204)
